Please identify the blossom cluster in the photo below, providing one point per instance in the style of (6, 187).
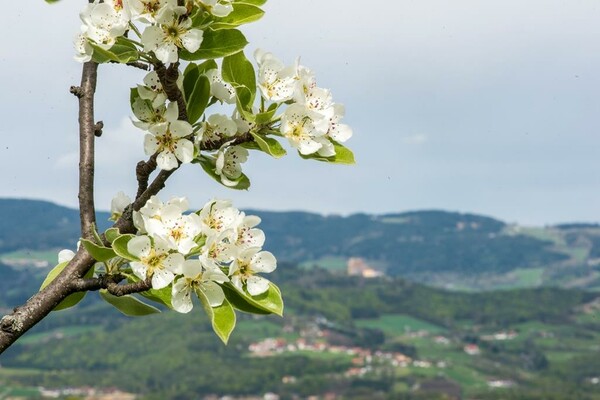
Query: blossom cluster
(198, 252)
(168, 26)
(311, 122)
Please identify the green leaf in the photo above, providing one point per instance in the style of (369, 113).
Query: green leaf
(269, 145)
(128, 305)
(99, 253)
(71, 300)
(239, 302)
(267, 116)
(198, 98)
(208, 165)
(217, 44)
(221, 317)
(190, 77)
(119, 245)
(270, 301)
(244, 99)
(52, 1)
(253, 2)
(243, 13)
(238, 71)
(207, 66)
(123, 51)
(343, 155)
(111, 234)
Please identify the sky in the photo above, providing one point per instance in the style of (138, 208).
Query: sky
(485, 107)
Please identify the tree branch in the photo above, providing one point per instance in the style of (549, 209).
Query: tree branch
(111, 283)
(87, 131)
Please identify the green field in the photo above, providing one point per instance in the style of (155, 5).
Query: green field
(328, 263)
(398, 324)
(60, 333)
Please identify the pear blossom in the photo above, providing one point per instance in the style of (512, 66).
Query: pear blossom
(217, 128)
(277, 82)
(156, 260)
(103, 23)
(249, 262)
(168, 140)
(319, 100)
(219, 88)
(152, 212)
(152, 90)
(218, 247)
(83, 48)
(178, 230)
(198, 275)
(337, 131)
(306, 82)
(243, 126)
(229, 164)
(65, 255)
(247, 234)
(305, 129)
(146, 10)
(218, 216)
(218, 8)
(118, 205)
(147, 114)
(174, 32)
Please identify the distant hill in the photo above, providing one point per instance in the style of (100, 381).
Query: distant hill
(462, 251)
(39, 225)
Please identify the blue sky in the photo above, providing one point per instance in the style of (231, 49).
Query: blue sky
(488, 107)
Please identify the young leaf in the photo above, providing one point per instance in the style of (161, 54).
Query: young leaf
(128, 305)
(269, 145)
(217, 44)
(190, 77)
(71, 300)
(198, 99)
(253, 2)
(207, 66)
(270, 301)
(119, 245)
(240, 302)
(238, 71)
(221, 317)
(242, 13)
(343, 155)
(123, 51)
(99, 253)
(111, 234)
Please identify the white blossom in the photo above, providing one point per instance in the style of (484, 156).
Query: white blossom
(337, 131)
(155, 260)
(198, 275)
(247, 234)
(152, 90)
(102, 23)
(218, 216)
(118, 205)
(249, 262)
(217, 128)
(277, 82)
(219, 88)
(168, 140)
(171, 34)
(305, 129)
(218, 8)
(229, 164)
